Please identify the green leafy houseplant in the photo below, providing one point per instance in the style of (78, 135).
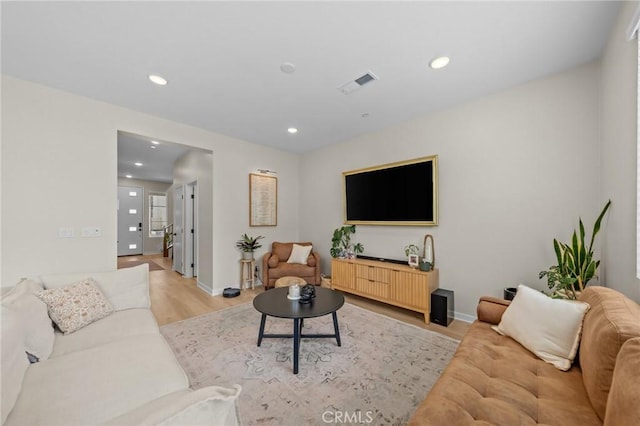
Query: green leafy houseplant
(576, 265)
(411, 249)
(341, 242)
(249, 244)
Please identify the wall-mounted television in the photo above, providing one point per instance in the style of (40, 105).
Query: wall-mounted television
(402, 193)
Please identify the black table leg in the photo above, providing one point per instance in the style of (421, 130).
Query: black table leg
(336, 328)
(261, 332)
(296, 344)
(301, 323)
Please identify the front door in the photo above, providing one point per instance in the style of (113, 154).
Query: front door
(130, 204)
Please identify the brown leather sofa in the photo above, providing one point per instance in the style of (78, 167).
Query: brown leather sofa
(492, 380)
(274, 265)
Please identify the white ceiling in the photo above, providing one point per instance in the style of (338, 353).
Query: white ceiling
(222, 59)
(157, 163)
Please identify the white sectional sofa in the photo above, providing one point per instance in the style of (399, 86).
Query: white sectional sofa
(117, 370)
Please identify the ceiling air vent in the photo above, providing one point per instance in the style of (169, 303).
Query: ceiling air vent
(357, 83)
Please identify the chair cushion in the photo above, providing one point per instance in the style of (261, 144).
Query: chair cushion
(622, 405)
(124, 288)
(117, 326)
(492, 379)
(291, 269)
(283, 250)
(611, 321)
(93, 381)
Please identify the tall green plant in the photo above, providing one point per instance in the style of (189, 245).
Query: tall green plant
(576, 265)
(341, 241)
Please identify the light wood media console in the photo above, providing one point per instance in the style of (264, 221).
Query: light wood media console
(387, 282)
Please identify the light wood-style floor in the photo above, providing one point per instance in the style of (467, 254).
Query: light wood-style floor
(174, 298)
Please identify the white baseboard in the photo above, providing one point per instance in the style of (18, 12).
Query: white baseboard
(218, 291)
(464, 317)
(206, 288)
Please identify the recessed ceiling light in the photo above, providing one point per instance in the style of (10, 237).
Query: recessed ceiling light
(439, 62)
(139, 164)
(128, 176)
(152, 146)
(365, 115)
(287, 68)
(292, 130)
(160, 81)
(155, 142)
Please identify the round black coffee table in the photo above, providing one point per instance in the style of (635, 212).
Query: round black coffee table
(276, 304)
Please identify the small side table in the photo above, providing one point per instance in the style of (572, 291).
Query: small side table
(248, 266)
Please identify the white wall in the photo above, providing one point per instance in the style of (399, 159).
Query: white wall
(198, 166)
(150, 245)
(516, 170)
(59, 169)
(619, 154)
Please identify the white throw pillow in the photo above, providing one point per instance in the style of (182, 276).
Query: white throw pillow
(76, 305)
(32, 313)
(299, 254)
(550, 328)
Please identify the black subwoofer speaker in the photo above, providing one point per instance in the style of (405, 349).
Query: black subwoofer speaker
(442, 307)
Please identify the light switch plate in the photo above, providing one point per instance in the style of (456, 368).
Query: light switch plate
(91, 231)
(65, 232)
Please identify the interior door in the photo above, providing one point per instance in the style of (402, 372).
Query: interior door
(190, 247)
(178, 229)
(130, 205)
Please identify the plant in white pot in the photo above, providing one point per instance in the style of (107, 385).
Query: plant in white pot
(576, 265)
(248, 245)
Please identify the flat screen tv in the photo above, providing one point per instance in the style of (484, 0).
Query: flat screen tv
(402, 193)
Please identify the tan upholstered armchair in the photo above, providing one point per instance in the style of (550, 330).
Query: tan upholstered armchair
(274, 265)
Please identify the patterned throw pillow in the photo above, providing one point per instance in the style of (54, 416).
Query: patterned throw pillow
(76, 305)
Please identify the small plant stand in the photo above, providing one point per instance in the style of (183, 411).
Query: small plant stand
(248, 267)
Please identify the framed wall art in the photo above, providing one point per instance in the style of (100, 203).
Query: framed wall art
(263, 200)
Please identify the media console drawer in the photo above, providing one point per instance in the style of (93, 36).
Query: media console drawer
(395, 284)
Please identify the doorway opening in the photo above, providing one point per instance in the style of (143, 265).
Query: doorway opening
(176, 186)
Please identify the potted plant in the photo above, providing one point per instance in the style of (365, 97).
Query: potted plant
(248, 245)
(341, 242)
(576, 265)
(411, 249)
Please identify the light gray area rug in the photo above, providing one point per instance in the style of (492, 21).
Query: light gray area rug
(379, 375)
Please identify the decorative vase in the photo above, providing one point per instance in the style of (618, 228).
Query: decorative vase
(428, 253)
(425, 266)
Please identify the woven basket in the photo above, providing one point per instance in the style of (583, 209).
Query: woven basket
(325, 282)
